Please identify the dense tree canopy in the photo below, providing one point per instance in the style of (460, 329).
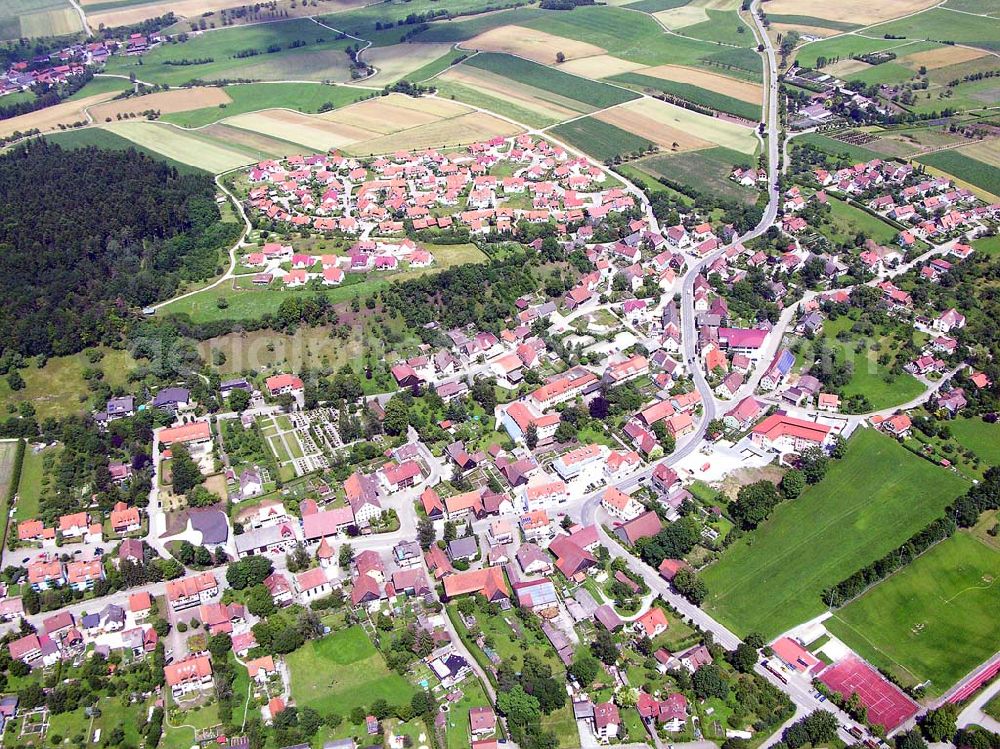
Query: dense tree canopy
(87, 236)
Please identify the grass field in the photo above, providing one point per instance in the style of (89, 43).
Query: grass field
(343, 671)
(825, 23)
(185, 146)
(870, 502)
(655, 6)
(8, 452)
(601, 140)
(706, 170)
(58, 388)
(165, 102)
(321, 58)
(460, 30)
(837, 148)
(965, 168)
(597, 95)
(944, 25)
(34, 18)
(847, 221)
(943, 621)
(401, 60)
(979, 436)
(31, 484)
(703, 95)
(303, 97)
(723, 26)
(843, 47)
(101, 138)
(307, 348)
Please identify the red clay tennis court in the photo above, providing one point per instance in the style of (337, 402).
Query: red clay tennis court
(887, 704)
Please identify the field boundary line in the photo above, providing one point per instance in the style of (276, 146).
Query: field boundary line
(873, 646)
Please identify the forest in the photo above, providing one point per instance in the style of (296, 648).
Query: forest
(88, 237)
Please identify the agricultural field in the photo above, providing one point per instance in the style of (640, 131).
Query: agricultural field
(843, 48)
(704, 170)
(402, 60)
(853, 12)
(320, 57)
(34, 18)
(600, 139)
(979, 436)
(185, 146)
(59, 388)
(945, 25)
(533, 44)
(846, 222)
(342, 671)
(65, 113)
(711, 91)
(302, 97)
(466, 28)
(166, 102)
(975, 165)
(667, 125)
(943, 618)
(101, 138)
(986, 7)
(837, 148)
(772, 580)
(8, 451)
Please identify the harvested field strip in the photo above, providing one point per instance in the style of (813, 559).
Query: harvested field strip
(266, 146)
(533, 44)
(479, 98)
(655, 6)
(381, 117)
(986, 150)
(646, 125)
(599, 66)
(711, 129)
(544, 103)
(314, 132)
(400, 60)
(678, 18)
(966, 168)
(600, 139)
(823, 23)
(178, 100)
(457, 131)
(943, 57)
(593, 93)
(181, 145)
(743, 90)
(846, 11)
(695, 94)
(64, 113)
(100, 138)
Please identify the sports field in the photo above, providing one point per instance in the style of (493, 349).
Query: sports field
(342, 671)
(870, 502)
(944, 615)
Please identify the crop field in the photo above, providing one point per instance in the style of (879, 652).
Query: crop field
(501, 94)
(706, 96)
(533, 44)
(101, 138)
(655, 6)
(847, 11)
(791, 19)
(650, 120)
(185, 146)
(966, 167)
(595, 94)
(987, 151)
(127, 12)
(600, 139)
(723, 26)
(943, 621)
(455, 131)
(250, 97)
(695, 126)
(64, 113)
(704, 170)
(939, 22)
(986, 7)
(737, 89)
(941, 57)
(843, 47)
(311, 131)
(599, 66)
(387, 114)
(178, 100)
(835, 527)
(461, 29)
(681, 17)
(398, 61)
(259, 145)
(321, 56)
(34, 18)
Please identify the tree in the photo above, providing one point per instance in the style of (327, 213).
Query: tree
(707, 682)
(185, 553)
(219, 646)
(817, 728)
(792, 483)
(743, 658)
(248, 572)
(346, 556)
(397, 417)
(239, 400)
(813, 463)
(426, 535)
(202, 556)
(585, 669)
(531, 436)
(184, 472)
(754, 503)
(604, 646)
(689, 585)
(422, 703)
(940, 724)
(259, 601)
(560, 57)
(910, 740)
(520, 707)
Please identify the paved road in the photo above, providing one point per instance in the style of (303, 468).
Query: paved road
(973, 713)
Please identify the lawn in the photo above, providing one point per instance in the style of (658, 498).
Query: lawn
(706, 171)
(312, 60)
(601, 140)
(772, 578)
(692, 93)
(302, 97)
(988, 245)
(30, 485)
(8, 451)
(979, 436)
(966, 168)
(846, 221)
(596, 94)
(343, 671)
(58, 388)
(943, 621)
